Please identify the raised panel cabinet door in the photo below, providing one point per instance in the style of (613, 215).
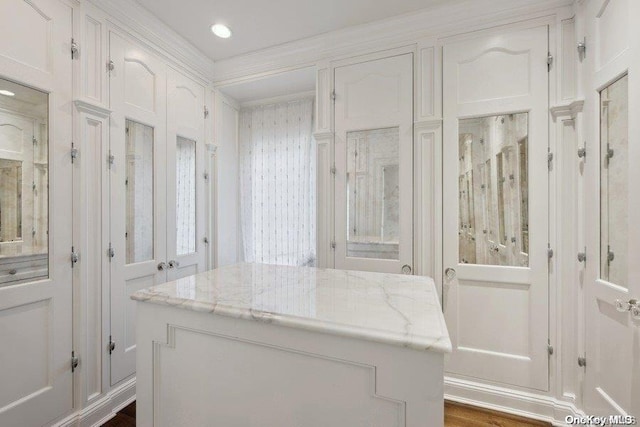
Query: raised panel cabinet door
(35, 220)
(137, 181)
(612, 280)
(374, 165)
(495, 207)
(186, 200)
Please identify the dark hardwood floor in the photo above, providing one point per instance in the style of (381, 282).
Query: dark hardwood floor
(455, 415)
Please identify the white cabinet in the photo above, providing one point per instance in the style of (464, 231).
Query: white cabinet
(156, 184)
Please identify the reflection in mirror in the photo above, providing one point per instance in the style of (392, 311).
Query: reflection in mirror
(614, 186)
(139, 190)
(494, 226)
(373, 193)
(185, 196)
(24, 184)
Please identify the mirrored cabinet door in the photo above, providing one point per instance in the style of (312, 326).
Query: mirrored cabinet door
(24, 184)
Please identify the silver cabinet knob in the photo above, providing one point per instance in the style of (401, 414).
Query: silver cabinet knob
(450, 273)
(406, 269)
(624, 306)
(174, 264)
(162, 266)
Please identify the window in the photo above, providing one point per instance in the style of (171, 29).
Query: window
(278, 183)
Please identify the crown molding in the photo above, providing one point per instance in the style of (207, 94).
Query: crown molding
(279, 99)
(132, 16)
(398, 31)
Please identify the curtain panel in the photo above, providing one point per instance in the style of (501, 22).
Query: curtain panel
(278, 183)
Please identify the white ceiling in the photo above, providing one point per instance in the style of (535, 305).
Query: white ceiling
(257, 24)
(291, 82)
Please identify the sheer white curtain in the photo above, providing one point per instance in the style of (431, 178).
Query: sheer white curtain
(278, 183)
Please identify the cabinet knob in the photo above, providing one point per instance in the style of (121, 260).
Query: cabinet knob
(174, 264)
(162, 266)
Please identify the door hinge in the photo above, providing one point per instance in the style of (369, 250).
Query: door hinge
(550, 160)
(112, 345)
(206, 112)
(333, 170)
(34, 141)
(582, 361)
(75, 48)
(75, 361)
(582, 153)
(549, 251)
(74, 257)
(111, 159)
(582, 47)
(333, 95)
(206, 176)
(110, 65)
(74, 152)
(549, 60)
(333, 244)
(110, 252)
(205, 240)
(582, 256)
(550, 349)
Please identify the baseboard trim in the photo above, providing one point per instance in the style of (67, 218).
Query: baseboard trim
(516, 402)
(103, 409)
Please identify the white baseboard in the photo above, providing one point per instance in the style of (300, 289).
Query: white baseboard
(516, 402)
(103, 409)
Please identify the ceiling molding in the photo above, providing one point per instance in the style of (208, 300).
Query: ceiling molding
(134, 17)
(394, 32)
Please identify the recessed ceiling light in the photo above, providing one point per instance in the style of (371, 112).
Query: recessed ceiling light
(6, 92)
(221, 31)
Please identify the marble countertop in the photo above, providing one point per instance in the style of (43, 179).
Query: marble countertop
(393, 309)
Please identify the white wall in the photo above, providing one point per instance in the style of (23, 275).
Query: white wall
(228, 249)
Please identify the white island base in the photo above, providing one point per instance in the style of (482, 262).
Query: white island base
(284, 346)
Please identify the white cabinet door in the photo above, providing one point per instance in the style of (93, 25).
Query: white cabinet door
(35, 315)
(612, 109)
(374, 172)
(186, 250)
(495, 214)
(138, 183)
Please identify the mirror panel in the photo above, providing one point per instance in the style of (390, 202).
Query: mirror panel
(139, 190)
(24, 184)
(185, 196)
(373, 191)
(494, 225)
(614, 184)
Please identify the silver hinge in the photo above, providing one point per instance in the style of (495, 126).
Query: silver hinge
(110, 65)
(582, 361)
(110, 252)
(333, 170)
(582, 153)
(74, 152)
(206, 176)
(550, 160)
(582, 47)
(74, 257)
(112, 345)
(206, 112)
(549, 251)
(75, 361)
(582, 256)
(550, 349)
(333, 244)
(206, 240)
(111, 159)
(75, 48)
(333, 95)
(34, 140)
(549, 60)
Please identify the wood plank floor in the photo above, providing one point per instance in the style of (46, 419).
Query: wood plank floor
(455, 415)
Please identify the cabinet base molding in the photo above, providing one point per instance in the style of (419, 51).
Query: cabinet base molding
(516, 402)
(103, 409)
